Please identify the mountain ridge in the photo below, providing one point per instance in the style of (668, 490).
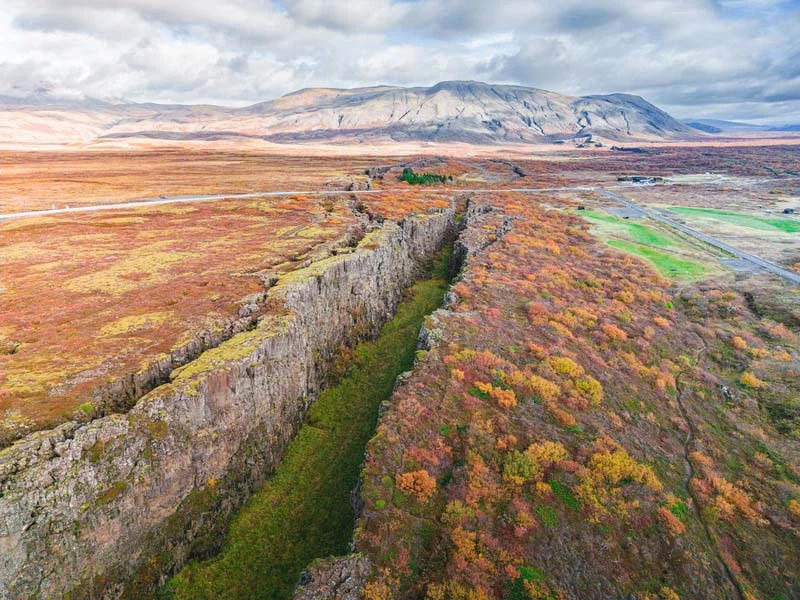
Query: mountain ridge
(449, 111)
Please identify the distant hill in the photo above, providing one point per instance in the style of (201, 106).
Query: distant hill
(720, 126)
(461, 111)
(793, 127)
(703, 127)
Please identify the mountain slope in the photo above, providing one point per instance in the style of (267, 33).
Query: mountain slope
(463, 111)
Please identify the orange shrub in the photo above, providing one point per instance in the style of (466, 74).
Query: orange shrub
(561, 416)
(419, 484)
(670, 521)
(626, 297)
(614, 332)
(738, 343)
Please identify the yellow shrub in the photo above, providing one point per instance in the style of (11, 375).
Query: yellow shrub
(543, 388)
(547, 454)
(590, 387)
(565, 366)
(749, 380)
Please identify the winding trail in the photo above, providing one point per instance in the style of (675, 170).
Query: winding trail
(689, 473)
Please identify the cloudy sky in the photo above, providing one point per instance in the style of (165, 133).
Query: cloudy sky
(724, 58)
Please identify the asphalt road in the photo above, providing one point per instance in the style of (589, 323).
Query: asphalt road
(752, 258)
(741, 254)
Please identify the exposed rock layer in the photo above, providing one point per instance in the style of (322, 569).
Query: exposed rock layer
(344, 577)
(107, 509)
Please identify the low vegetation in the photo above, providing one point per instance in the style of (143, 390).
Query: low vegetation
(131, 290)
(546, 436)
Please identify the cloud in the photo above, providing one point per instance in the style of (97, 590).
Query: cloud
(689, 56)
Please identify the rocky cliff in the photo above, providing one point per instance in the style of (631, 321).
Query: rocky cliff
(106, 509)
(344, 577)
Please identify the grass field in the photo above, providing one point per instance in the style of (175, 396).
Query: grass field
(785, 225)
(669, 254)
(637, 232)
(303, 512)
(668, 265)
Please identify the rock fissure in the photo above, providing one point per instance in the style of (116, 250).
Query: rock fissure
(344, 577)
(124, 500)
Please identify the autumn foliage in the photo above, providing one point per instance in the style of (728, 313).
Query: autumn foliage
(548, 412)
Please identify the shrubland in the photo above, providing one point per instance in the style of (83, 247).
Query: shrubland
(585, 428)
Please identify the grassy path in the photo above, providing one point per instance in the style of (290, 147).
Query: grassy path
(303, 512)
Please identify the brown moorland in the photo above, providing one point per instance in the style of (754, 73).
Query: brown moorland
(92, 297)
(580, 411)
(40, 180)
(97, 307)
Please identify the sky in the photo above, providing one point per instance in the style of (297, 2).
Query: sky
(734, 59)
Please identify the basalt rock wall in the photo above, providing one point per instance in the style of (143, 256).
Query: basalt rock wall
(108, 509)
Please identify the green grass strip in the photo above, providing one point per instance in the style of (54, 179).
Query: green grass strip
(636, 232)
(668, 265)
(786, 225)
(303, 511)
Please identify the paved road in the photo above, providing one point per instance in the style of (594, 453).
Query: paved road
(752, 258)
(215, 197)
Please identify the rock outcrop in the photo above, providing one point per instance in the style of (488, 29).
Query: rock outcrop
(341, 578)
(344, 577)
(108, 509)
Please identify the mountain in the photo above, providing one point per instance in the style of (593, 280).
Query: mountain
(705, 127)
(461, 111)
(720, 126)
(792, 127)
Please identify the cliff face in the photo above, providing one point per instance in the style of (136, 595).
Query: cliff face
(105, 509)
(344, 577)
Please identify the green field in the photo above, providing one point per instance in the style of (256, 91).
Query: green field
(668, 265)
(632, 230)
(303, 511)
(659, 248)
(742, 219)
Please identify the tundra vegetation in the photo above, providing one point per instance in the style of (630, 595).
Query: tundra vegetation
(606, 412)
(548, 435)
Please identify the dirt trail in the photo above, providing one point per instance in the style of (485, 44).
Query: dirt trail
(689, 473)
